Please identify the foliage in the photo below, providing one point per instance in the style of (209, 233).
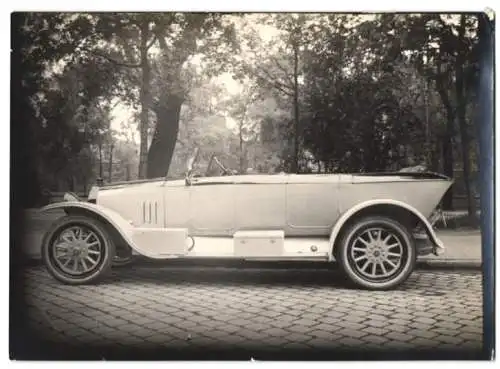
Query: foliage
(316, 92)
(50, 97)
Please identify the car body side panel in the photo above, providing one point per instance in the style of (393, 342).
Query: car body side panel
(177, 206)
(212, 209)
(422, 195)
(260, 206)
(311, 208)
(143, 204)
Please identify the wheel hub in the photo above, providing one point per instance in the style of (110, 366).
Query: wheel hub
(78, 251)
(377, 253)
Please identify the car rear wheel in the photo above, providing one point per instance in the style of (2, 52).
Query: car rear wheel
(376, 253)
(77, 250)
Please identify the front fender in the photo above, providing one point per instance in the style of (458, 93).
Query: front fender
(115, 220)
(438, 244)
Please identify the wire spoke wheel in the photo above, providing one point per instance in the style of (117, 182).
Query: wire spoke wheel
(377, 253)
(77, 249)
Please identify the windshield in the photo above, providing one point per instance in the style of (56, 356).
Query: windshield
(208, 164)
(216, 164)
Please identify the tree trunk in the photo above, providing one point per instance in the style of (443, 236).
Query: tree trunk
(448, 166)
(464, 134)
(241, 147)
(71, 183)
(110, 164)
(164, 139)
(144, 96)
(295, 159)
(428, 151)
(434, 161)
(471, 201)
(100, 159)
(128, 172)
(447, 144)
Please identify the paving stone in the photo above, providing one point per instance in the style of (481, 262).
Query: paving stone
(471, 336)
(400, 337)
(375, 339)
(352, 333)
(422, 333)
(355, 318)
(398, 327)
(352, 326)
(335, 314)
(275, 332)
(454, 340)
(425, 342)
(299, 337)
(306, 322)
(424, 320)
(319, 342)
(280, 323)
(376, 323)
(448, 325)
(375, 331)
(325, 334)
(351, 342)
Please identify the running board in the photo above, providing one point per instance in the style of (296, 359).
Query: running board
(263, 245)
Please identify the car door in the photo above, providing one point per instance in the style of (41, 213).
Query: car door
(212, 206)
(260, 202)
(312, 204)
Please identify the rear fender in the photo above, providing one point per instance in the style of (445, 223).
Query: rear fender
(355, 210)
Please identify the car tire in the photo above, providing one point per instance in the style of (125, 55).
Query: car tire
(376, 253)
(78, 250)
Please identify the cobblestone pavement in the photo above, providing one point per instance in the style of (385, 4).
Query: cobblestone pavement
(209, 307)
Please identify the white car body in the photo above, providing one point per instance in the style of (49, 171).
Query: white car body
(261, 217)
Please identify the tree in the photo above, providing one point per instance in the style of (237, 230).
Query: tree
(209, 35)
(444, 49)
(239, 109)
(38, 40)
(54, 88)
(159, 45)
(120, 30)
(202, 124)
(276, 64)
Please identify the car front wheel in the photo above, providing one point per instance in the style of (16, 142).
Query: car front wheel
(77, 250)
(376, 253)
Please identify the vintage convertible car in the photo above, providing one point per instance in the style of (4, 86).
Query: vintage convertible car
(373, 225)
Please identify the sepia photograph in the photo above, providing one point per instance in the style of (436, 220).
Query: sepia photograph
(252, 186)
